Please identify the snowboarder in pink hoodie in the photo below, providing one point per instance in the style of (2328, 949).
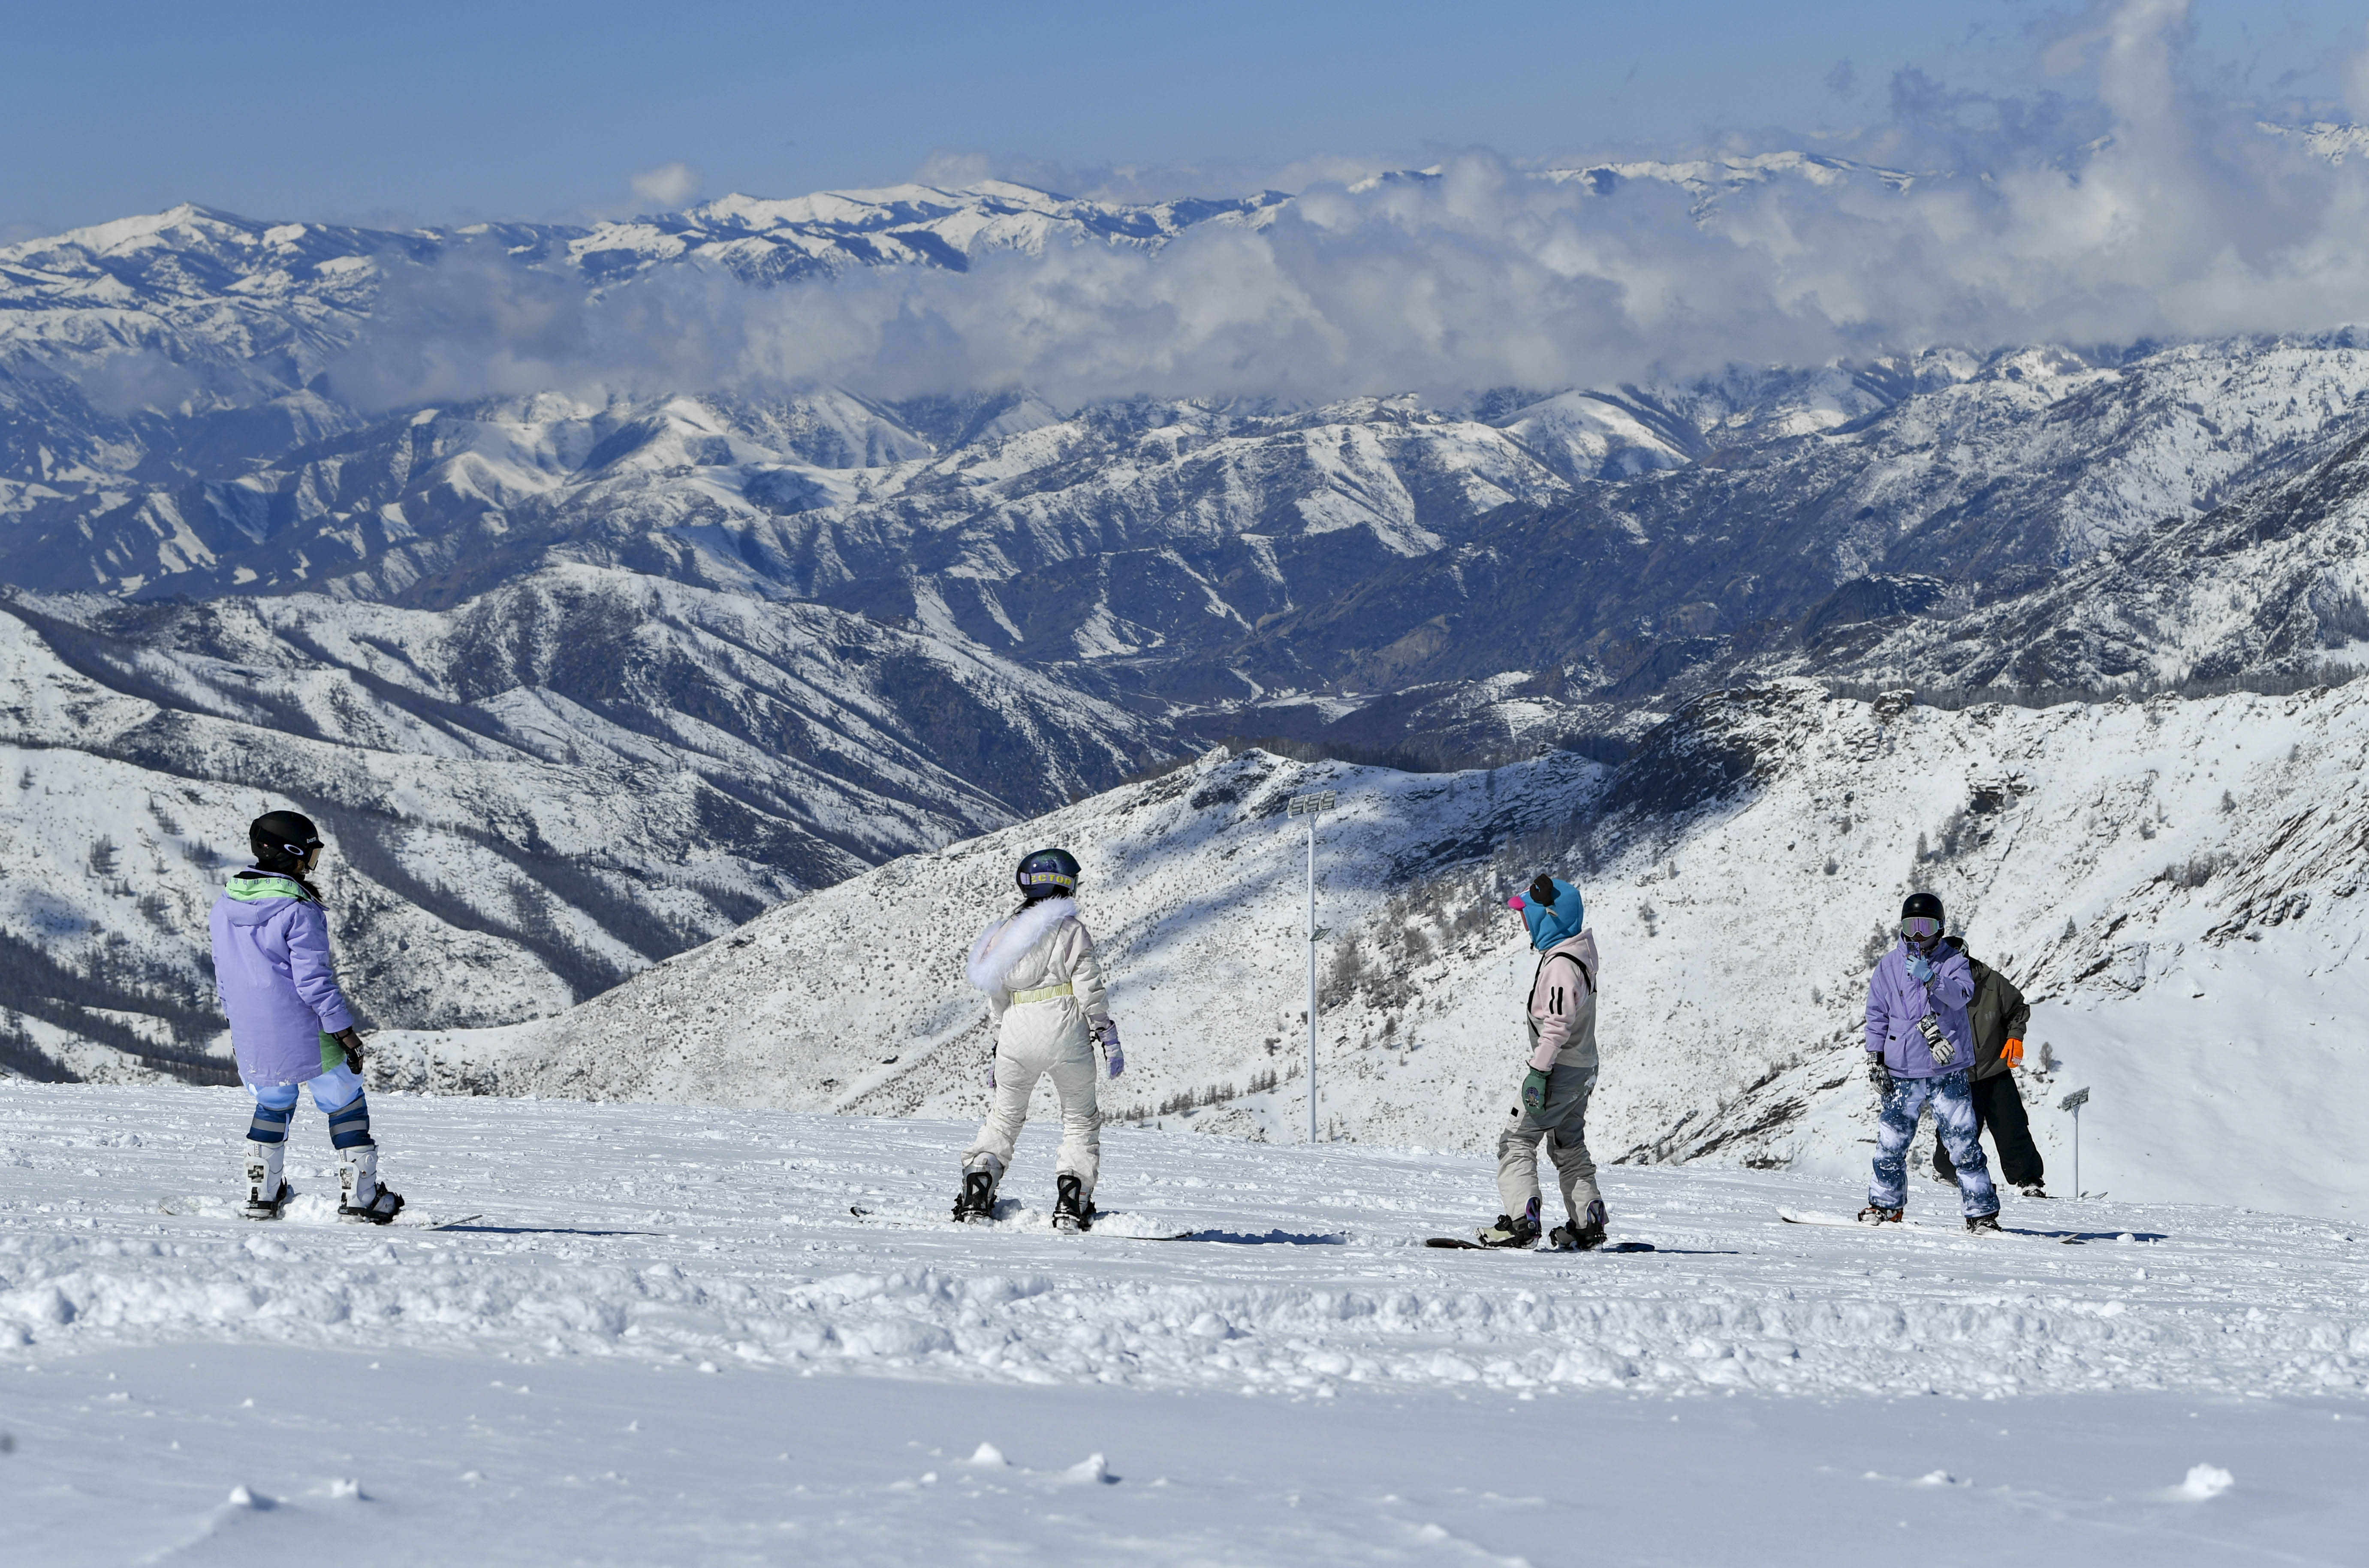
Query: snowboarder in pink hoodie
(1045, 990)
(1561, 1075)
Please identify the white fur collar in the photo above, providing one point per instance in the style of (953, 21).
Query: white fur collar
(1001, 945)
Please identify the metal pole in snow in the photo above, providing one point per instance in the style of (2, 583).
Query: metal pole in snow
(1311, 806)
(1311, 976)
(2073, 1103)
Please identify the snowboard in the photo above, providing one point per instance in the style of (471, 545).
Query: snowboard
(2068, 1238)
(224, 1208)
(1463, 1246)
(1008, 1209)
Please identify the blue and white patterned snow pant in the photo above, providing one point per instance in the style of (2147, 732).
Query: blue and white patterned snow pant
(1961, 1133)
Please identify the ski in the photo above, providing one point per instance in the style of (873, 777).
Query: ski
(1463, 1246)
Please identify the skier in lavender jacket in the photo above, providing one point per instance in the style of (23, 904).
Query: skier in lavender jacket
(1919, 1045)
(289, 1023)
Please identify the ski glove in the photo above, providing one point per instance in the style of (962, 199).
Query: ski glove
(352, 1041)
(1879, 1077)
(1920, 968)
(1534, 1092)
(1107, 1032)
(1936, 1042)
(2012, 1053)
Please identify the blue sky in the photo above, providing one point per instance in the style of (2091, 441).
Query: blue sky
(438, 111)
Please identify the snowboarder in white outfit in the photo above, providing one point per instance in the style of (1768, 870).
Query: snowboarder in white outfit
(1045, 988)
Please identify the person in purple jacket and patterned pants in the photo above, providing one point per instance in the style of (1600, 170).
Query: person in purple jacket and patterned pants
(289, 1023)
(1919, 1045)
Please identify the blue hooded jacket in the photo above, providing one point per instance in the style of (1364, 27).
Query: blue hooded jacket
(1563, 921)
(273, 974)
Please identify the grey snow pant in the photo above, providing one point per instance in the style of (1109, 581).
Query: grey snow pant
(1564, 1120)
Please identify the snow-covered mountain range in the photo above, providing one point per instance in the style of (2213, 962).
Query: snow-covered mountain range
(578, 681)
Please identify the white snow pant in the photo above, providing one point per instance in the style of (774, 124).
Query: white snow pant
(1564, 1119)
(1070, 1061)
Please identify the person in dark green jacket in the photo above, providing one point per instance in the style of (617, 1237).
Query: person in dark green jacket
(1999, 1014)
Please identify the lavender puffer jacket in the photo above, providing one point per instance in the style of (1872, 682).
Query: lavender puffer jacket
(273, 974)
(1895, 1002)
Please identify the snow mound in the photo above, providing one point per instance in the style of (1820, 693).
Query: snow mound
(2206, 1480)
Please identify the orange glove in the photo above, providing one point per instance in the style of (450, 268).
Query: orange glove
(2012, 1053)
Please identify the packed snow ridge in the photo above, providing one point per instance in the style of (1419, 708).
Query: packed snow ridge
(666, 1235)
(662, 1331)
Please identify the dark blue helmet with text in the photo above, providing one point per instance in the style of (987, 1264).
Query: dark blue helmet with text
(1048, 873)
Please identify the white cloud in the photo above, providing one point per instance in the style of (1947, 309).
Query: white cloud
(2143, 210)
(2356, 82)
(669, 185)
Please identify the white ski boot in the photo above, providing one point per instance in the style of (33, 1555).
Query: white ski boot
(361, 1200)
(1514, 1229)
(267, 1193)
(975, 1202)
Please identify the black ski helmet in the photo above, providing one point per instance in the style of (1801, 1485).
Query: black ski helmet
(281, 839)
(1048, 873)
(1928, 905)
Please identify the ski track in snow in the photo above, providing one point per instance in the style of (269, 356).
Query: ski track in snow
(670, 1234)
(1307, 1384)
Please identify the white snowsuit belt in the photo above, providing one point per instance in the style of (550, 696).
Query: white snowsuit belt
(1042, 994)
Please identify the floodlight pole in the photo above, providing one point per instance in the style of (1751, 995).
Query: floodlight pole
(2073, 1103)
(1311, 806)
(1311, 976)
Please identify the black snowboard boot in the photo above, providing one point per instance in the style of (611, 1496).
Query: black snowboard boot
(1872, 1215)
(975, 1202)
(1580, 1236)
(1070, 1210)
(1514, 1231)
(1983, 1224)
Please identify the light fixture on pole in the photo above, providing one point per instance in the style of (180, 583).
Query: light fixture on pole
(2073, 1103)
(1311, 806)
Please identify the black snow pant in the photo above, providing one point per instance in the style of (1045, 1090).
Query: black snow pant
(1999, 1107)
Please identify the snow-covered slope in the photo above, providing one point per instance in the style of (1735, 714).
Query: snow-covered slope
(527, 796)
(2276, 581)
(2118, 859)
(666, 1338)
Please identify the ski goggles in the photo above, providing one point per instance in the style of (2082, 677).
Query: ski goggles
(1920, 928)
